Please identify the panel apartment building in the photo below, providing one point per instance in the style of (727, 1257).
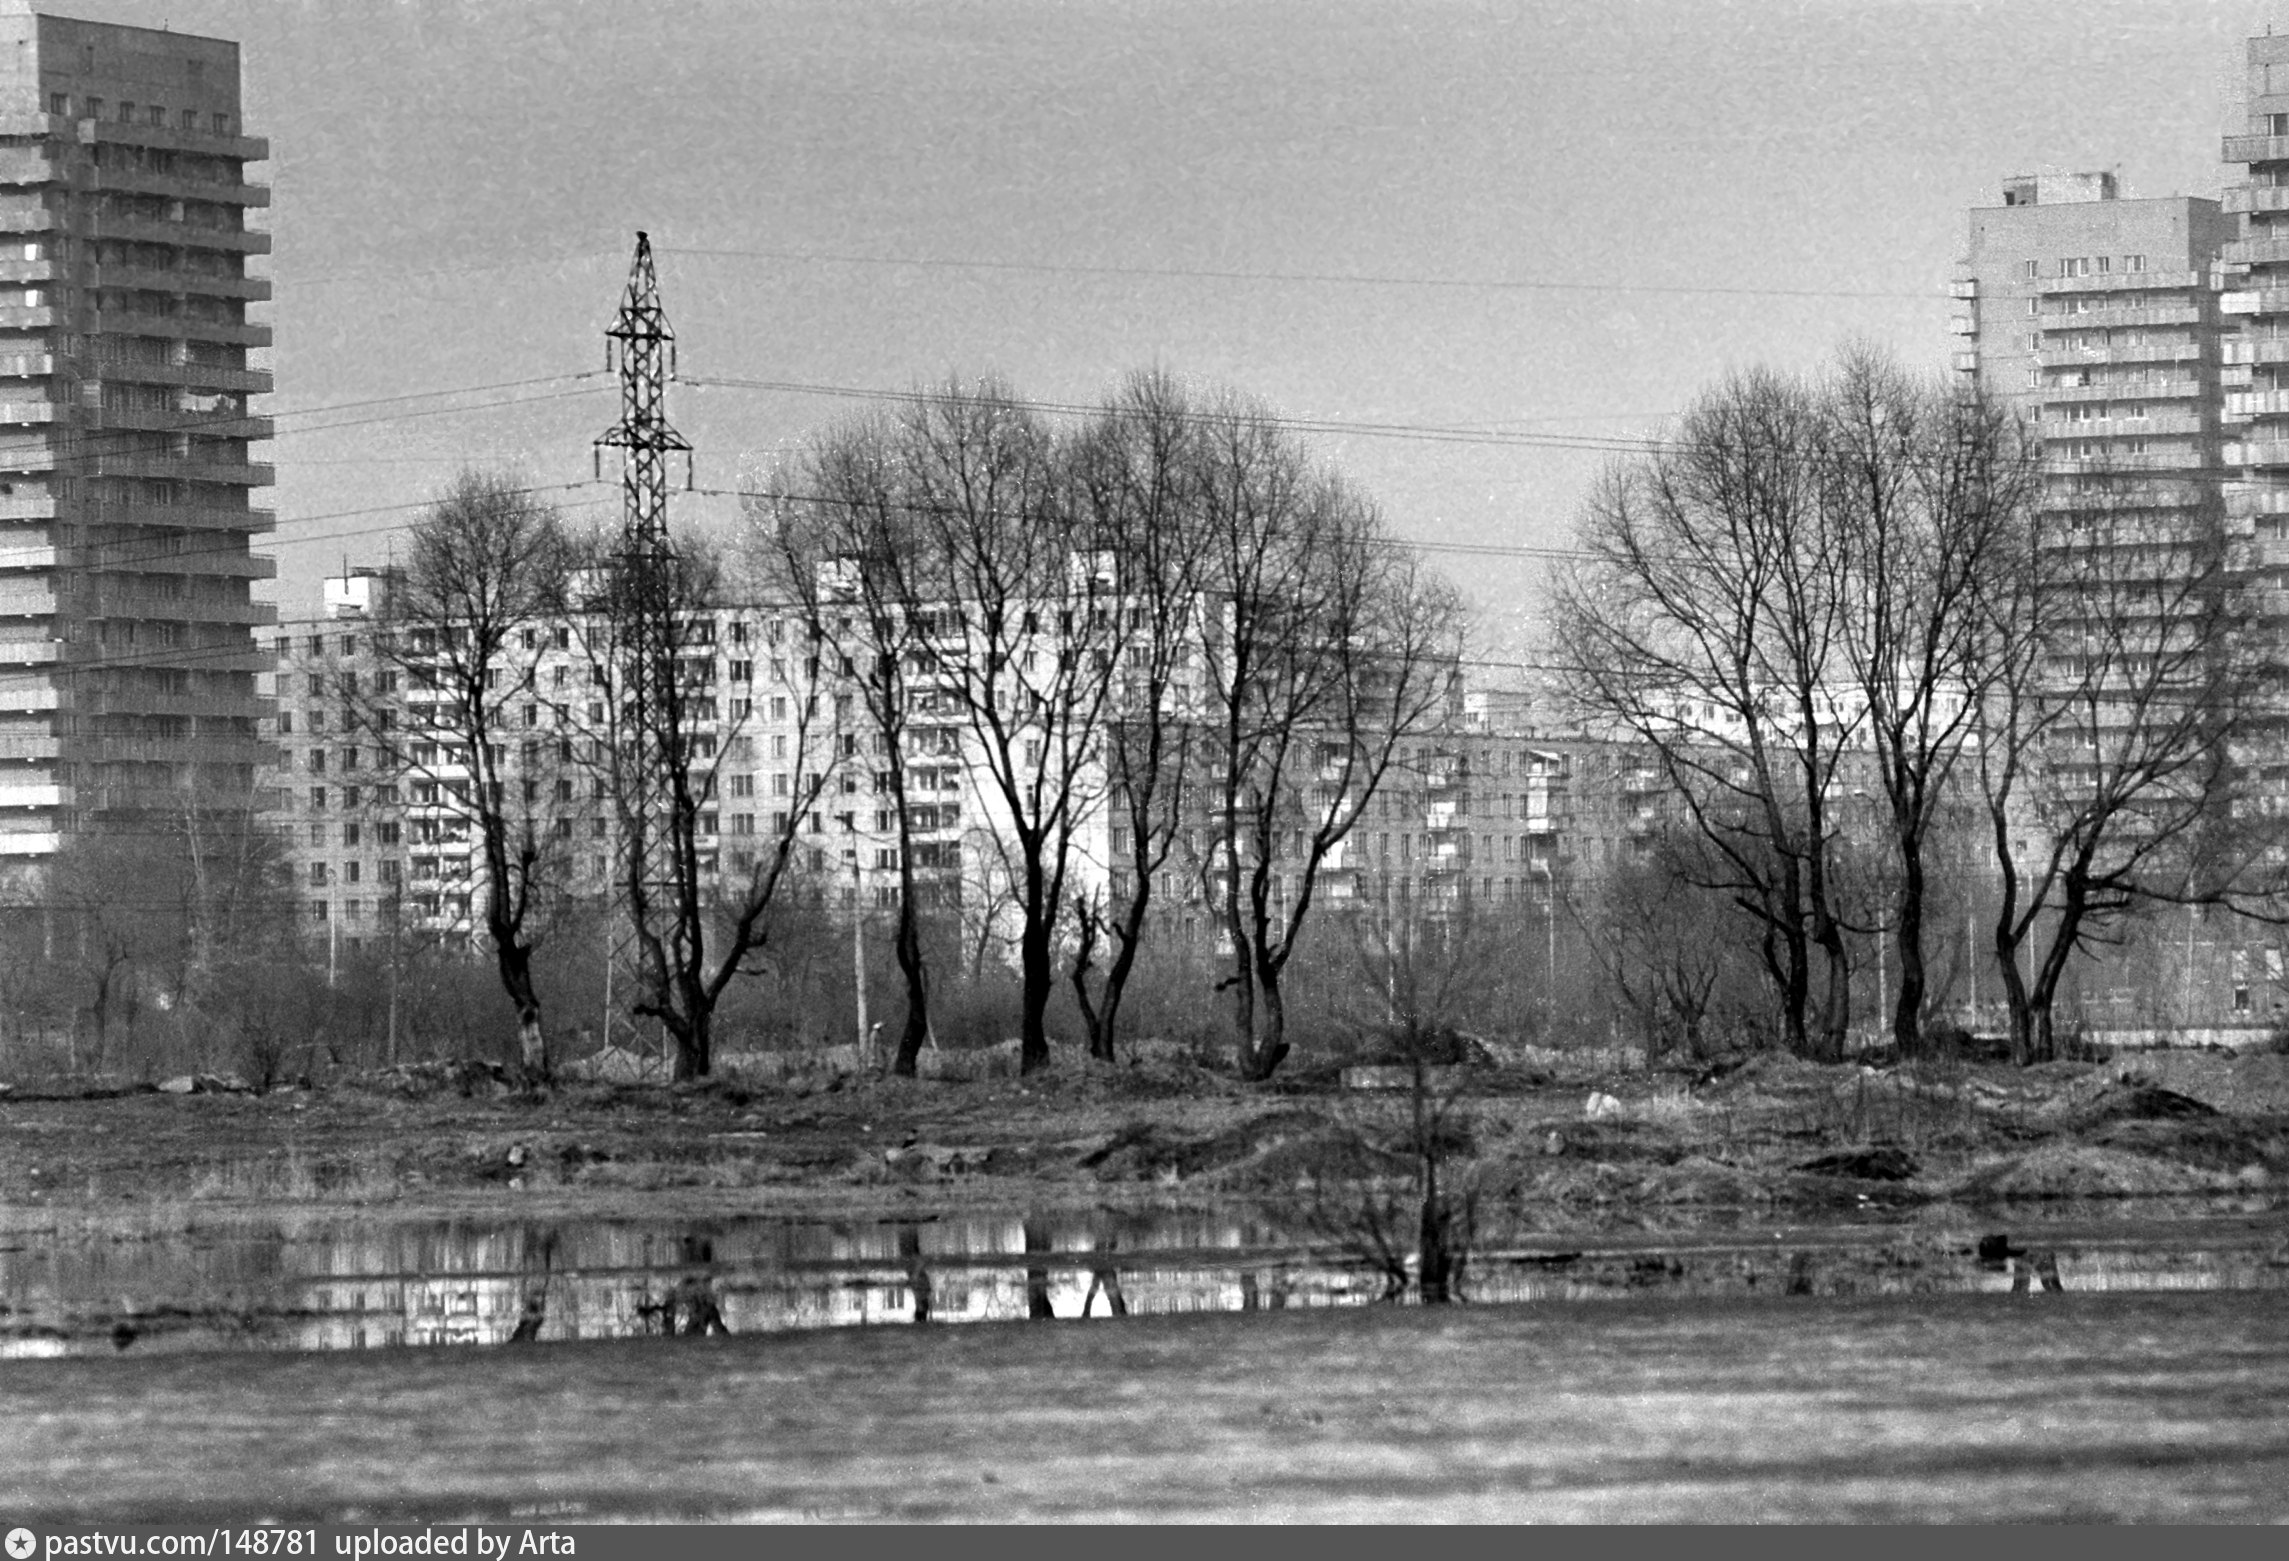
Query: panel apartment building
(380, 847)
(127, 654)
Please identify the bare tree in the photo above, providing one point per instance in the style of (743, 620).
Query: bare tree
(1707, 623)
(1136, 471)
(461, 627)
(834, 534)
(1327, 646)
(2106, 738)
(650, 625)
(1021, 592)
(1928, 492)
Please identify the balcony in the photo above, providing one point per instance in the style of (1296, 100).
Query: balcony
(27, 412)
(2254, 300)
(2120, 282)
(2271, 452)
(2256, 252)
(179, 186)
(1966, 287)
(258, 474)
(1965, 362)
(25, 166)
(209, 377)
(219, 425)
(17, 270)
(112, 132)
(137, 322)
(28, 747)
(1962, 325)
(2162, 424)
(18, 318)
(163, 230)
(23, 795)
(27, 219)
(2246, 404)
(2250, 197)
(30, 653)
(2256, 149)
(27, 597)
(2125, 464)
(189, 517)
(2060, 357)
(2179, 389)
(2117, 318)
(205, 284)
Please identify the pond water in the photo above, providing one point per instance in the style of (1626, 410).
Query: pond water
(364, 1280)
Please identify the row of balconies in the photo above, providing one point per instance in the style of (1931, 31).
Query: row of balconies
(2113, 319)
(163, 230)
(2174, 388)
(213, 378)
(199, 284)
(2122, 282)
(2064, 357)
(161, 420)
(2154, 424)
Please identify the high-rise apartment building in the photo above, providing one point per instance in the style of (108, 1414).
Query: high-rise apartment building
(2097, 317)
(127, 654)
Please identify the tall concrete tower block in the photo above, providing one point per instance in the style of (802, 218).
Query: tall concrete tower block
(127, 652)
(2098, 317)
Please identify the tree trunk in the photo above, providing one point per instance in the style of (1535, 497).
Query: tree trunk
(1039, 978)
(1270, 1047)
(1907, 1012)
(909, 947)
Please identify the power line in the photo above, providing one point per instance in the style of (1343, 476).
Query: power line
(1312, 278)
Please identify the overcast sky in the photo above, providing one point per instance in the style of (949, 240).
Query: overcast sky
(1549, 223)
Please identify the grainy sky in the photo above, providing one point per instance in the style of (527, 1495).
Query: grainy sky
(1545, 224)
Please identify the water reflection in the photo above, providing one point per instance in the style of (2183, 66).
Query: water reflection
(361, 1282)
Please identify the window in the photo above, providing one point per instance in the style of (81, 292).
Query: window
(2133, 262)
(285, 723)
(127, 113)
(743, 785)
(2031, 269)
(350, 872)
(317, 799)
(707, 821)
(779, 785)
(318, 875)
(59, 103)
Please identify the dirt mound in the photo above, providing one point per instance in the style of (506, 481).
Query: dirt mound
(1882, 1164)
(2208, 1142)
(2138, 1100)
(1149, 1151)
(2080, 1171)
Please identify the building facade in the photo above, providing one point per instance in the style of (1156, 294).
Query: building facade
(128, 661)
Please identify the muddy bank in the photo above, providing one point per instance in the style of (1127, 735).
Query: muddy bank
(1773, 1134)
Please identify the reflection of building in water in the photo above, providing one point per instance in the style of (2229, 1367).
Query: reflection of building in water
(329, 1287)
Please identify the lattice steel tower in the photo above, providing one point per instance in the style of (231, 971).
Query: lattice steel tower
(646, 349)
